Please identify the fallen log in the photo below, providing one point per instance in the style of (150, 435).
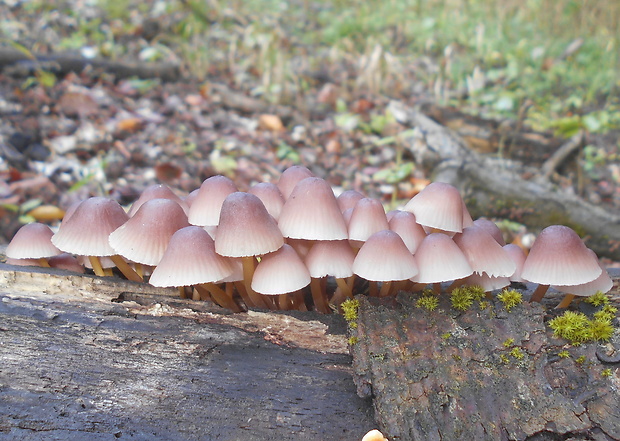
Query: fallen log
(83, 357)
(496, 187)
(483, 374)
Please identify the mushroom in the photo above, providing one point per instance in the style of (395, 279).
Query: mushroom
(483, 252)
(518, 256)
(330, 258)
(384, 257)
(33, 241)
(279, 273)
(86, 232)
(439, 260)
(368, 217)
(558, 257)
(439, 206)
(191, 260)
(157, 191)
(145, 236)
(291, 177)
(491, 228)
(347, 199)
(602, 283)
(270, 196)
(247, 230)
(206, 205)
(412, 233)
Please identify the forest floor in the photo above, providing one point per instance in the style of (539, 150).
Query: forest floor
(243, 112)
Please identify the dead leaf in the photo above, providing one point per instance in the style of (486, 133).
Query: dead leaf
(47, 213)
(272, 123)
(75, 104)
(129, 125)
(167, 172)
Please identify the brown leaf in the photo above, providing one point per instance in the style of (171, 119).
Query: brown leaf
(75, 104)
(167, 172)
(47, 213)
(272, 123)
(129, 125)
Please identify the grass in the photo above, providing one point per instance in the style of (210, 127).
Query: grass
(553, 63)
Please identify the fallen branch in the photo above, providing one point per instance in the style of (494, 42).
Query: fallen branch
(495, 187)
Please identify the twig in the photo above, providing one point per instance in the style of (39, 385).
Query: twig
(560, 155)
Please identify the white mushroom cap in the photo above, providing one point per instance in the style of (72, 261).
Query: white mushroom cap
(280, 272)
(190, 259)
(330, 258)
(270, 196)
(87, 230)
(440, 259)
(518, 256)
(602, 283)
(368, 217)
(483, 253)
(245, 228)
(145, 236)
(347, 199)
(559, 257)
(438, 205)
(412, 233)
(157, 191)
(491, 228)
(206, 205)
(311, 212)
(291, 177)
(32, 241)
(384, 257)
(486, 282)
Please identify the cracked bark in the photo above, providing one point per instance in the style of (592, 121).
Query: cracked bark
(448, 376)
(83, 357)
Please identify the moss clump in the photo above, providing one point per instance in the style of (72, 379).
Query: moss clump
(510, 298)
(607, 313)
(598, 299)
(517, 353)
(577, 328)
(564, 354)
(349, 310)
(605, 373)
(581, 360)
(461, 298)
(429, 300)
(508, 342)
(353, 340)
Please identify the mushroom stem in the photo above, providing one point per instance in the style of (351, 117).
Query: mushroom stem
(437, 287)
(373, 290)
(248, 273)
(125, 268)
(140, 270)
(385, 289)
(344, 288)
(220, 296)
(96, 264)
(455, 284)
(565, 301)
(539, 293)
(318, 296)
(417, 287)
(44, 263)
(244, 294)
(197, 295)
(182, 292)
(298, 300)
(284, 302)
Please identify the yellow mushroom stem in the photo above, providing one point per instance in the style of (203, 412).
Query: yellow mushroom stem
(204, 295)
(319, 296)
(44, 263)
(127, 270)
(539, 293)
(298, 300)
(385, 289)
(140, 270)
(219, 295)
(345, 288)
(437, 287)
(285, 302)
(96, 264)
(373, 289)
(248, 273)
(244, 294)
(565, 301)
(182, 292)
(417, 286)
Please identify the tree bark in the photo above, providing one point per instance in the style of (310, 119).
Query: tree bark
(495, 187)
(83, 357)
(483, 374)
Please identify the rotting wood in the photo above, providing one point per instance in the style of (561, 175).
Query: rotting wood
(496, 187)
(444, 375)
(100, 358)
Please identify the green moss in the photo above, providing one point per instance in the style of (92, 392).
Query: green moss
(580, 360)
(510, 298)
(428, 301)
(597, 299)
(564, 354)
(517, 353)
(504, 358)
(508, 342)
(607, 313)
(484, 304)
(353, 340)
(446, 336)
(606, 373)
(461, 298)
(577, 328)
(349, 309)
(601, 330)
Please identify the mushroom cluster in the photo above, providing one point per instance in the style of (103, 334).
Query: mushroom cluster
(264, 247)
